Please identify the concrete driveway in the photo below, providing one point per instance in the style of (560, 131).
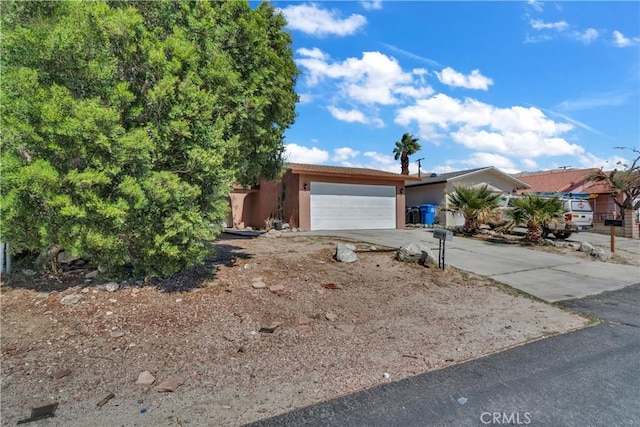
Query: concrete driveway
(550, 277)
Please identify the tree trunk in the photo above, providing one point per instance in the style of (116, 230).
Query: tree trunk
(470, 225)
(534, 233)
(404, 164)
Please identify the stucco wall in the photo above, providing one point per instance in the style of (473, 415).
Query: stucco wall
(432, 194)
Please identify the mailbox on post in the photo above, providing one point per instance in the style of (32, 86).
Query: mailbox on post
(443, 236)
(613, 223)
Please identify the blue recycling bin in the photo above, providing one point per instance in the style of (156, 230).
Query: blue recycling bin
(428, 213)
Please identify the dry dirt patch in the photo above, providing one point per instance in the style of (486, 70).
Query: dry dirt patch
(390, 318)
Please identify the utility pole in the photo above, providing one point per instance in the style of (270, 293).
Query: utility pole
(419, 166)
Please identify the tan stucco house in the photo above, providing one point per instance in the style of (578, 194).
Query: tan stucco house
(319, 197)
(433, 189)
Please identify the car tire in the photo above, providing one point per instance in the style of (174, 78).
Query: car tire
(562, 235)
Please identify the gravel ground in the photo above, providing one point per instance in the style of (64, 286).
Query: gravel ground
(276, 324)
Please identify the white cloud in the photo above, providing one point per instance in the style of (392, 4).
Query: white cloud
(311, 19)
(313, 53)
(305, 98)
(587, 36)
(538, 6)
(620, 40)
(415, 92)
(514, 131)
(529, 164)
(481, 159)
(343, 154)
(440, 169)
(537, 38)
(354, 115)
(372, 5)
(369, 80)
(475, 80)
(589, 160)
(299, 154)
(538, 24)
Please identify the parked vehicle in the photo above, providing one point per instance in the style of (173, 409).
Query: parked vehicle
(579, 212)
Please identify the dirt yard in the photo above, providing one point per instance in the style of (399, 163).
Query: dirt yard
(277, 325)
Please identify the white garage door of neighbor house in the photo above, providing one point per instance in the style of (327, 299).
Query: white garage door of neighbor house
(352, 206)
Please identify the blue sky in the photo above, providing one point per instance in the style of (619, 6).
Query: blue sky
(521, 86)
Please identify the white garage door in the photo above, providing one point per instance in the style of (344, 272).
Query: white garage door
(352, 206)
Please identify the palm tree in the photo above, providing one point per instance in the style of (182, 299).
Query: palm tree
(476, 204)
(407, 146)
(535, 211)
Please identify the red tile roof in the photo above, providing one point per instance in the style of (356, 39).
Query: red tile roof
(346, 171)
(561, 181)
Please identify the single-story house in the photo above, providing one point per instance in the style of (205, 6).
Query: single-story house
(433, 189)
(319, 197)
(580, 181)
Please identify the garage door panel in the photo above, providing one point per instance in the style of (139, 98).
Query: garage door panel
(327, 188)
(351, 206)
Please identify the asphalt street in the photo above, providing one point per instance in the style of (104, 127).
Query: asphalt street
(590, 377)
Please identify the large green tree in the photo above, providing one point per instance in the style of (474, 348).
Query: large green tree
(125, 123)
(404, 148)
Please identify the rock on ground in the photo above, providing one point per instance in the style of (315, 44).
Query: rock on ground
(70, 299)
(601, 254)
(416, 252)
(111, 286)
(171, 384)
(346, 253)
(145, 378)
(586, 247)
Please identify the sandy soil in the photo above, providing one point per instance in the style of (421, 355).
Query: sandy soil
(324, 329)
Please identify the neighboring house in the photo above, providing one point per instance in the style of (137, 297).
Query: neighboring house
(433, 188)
(318, 197)
(580, 181)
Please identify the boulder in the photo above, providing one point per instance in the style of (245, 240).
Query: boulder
(415, 252)
(346, 253)
(586, 247)
(601, 254)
